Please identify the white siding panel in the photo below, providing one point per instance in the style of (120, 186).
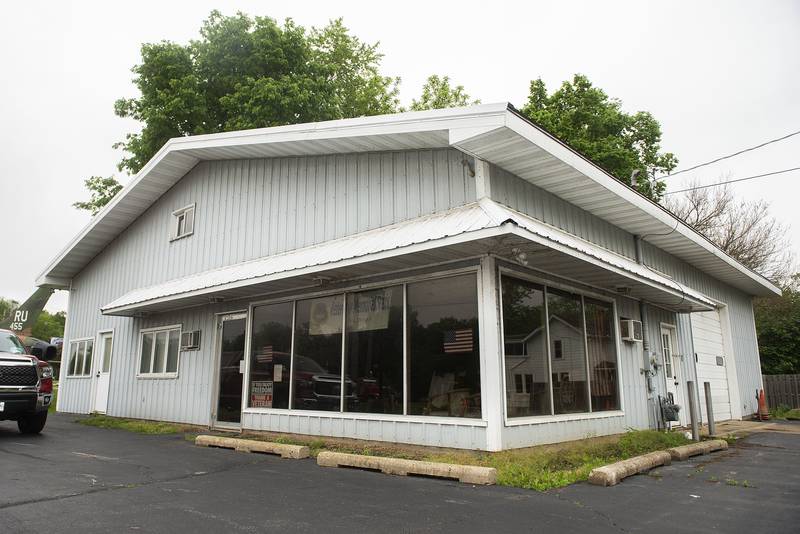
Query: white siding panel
(527, 198)
(433, 433)
(744, 341)
(245, 209)
(543, 205)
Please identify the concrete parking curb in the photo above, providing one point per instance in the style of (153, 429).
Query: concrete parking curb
(295, 452)
(469, 474)
(612, 474)
(693, 449)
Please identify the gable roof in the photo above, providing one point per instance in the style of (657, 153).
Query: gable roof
(493, 132)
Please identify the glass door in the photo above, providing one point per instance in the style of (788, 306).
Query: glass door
(231, 361)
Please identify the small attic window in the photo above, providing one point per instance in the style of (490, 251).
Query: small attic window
(182, 222)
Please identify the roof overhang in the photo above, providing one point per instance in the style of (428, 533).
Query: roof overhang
(469, 231)
(492, 132)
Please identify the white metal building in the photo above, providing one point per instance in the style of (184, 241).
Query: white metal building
(454, 278)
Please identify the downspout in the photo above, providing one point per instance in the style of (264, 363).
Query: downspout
(647, 369)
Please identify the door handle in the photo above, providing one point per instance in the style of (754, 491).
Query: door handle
(98, 374)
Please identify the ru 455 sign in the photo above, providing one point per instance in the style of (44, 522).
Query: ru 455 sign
(20, 316)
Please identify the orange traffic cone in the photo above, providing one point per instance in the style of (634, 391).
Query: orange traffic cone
(763, 413)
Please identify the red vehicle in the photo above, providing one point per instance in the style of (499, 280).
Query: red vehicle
(26, 385)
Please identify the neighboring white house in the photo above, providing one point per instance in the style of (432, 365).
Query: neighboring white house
(387, 278)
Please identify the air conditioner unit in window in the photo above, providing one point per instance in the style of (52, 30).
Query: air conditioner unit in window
(631, 330)
(190, 340)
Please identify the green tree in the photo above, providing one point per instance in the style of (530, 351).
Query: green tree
(7, 306)
(49, 325)
(102, 191)
(437, 93)
(778, 327)
(595, 125)
(246, 72)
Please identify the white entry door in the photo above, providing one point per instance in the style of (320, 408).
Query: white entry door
(106, 347)
(672, 373)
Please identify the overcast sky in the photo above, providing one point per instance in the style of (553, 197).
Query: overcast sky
(719, 76)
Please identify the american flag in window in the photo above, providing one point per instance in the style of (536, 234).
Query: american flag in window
(456, 341)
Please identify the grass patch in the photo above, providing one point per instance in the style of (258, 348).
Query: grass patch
(132, 425)
(538, 468)
(783, 411)
(543, 468)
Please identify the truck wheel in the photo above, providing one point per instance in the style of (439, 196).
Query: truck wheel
(32, 424)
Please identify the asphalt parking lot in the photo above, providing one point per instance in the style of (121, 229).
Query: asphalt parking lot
(75, 478)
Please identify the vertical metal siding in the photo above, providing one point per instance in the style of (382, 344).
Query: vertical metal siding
(536, 202)
(740, 310)
(527, 198)
(245, 209)
(432, 433)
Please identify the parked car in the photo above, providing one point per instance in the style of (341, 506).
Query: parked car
(318, 389)
(26, 385)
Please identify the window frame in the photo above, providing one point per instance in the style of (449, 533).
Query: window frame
(549, 283)
(176, 221)
(558, 349)
(355, 288)
(155, 330)
(79, 341)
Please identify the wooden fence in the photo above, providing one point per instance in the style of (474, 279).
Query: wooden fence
(782, 389)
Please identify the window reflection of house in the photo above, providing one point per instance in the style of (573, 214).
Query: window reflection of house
(568, 368)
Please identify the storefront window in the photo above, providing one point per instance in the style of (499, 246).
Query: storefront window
(525, 341)
(374, 350)
(568, 371)
(270, 356)
(346, 352)
(317, 371)
(443, 355)
(600, 338)
(579, 329)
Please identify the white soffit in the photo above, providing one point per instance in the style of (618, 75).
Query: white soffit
(477, 221)
(492, 132)
(401, 131)
(529, 152)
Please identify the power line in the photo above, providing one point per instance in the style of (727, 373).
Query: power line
(787, 136)
(732, 181)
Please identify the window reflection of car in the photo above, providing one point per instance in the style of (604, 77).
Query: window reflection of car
(316, 388)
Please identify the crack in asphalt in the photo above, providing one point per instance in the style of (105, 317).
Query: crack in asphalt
(114, 487)
(582, 506)
(26, 455)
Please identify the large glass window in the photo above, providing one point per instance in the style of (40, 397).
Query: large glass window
(443, 356)
(317, 368)
(270, 356)
(568, 370)
(580, 332)
(602, 349)
(374, 350)
(402, 349)
(525, 342)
